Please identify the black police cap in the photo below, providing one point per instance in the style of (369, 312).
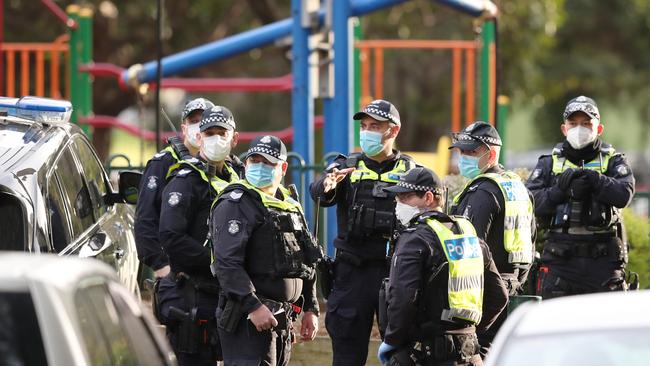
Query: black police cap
(582, 104)
(475, 135)
(198, 104)
(270, 147)
(418, 179)
(217, 116)
(381, 110)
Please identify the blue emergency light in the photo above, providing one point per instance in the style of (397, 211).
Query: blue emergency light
(8, 105)
(43, 110)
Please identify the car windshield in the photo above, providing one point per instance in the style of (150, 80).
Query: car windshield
(594, 348)
(20, 335)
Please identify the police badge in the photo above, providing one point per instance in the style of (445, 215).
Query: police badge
(174, 198)
(233, 227)
(152, 184)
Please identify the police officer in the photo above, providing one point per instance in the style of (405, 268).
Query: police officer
(189, 295)
(443, 281)
(265, 261)
(153, 182)
(579, 191)
(499, 206)
(366, 220)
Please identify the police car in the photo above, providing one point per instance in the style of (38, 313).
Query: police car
(67, 311)
(55, 196)
(605, 329)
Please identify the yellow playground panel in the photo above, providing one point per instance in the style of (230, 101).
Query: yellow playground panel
(437, 161)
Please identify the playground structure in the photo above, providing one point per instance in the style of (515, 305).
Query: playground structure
(321, 36)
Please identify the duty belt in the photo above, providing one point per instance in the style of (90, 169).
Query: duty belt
(581, 230)
(586, 250)
(199, 283)
(451, 346)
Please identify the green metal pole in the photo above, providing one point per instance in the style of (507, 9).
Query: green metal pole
(503, 103)
(358, 35)
(488, 38)
(86, 57)
(73, 13)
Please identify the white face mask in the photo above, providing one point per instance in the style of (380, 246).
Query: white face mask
(579, 137)
(192, 131)
(216, 147)
(406, 213)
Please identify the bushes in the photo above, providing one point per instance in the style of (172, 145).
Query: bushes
(638, 236)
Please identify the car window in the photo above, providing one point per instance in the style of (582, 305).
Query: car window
(93, 174)
(20, 335)
(12, 225)
(106, 341)
(75, 192)
(59, 230)
(593, 348)
(141, 335)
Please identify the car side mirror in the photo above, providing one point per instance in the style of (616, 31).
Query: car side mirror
(129, 185)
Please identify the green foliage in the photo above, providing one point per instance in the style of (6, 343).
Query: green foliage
(638, 236)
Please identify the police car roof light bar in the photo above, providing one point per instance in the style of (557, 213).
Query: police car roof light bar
(43, 110)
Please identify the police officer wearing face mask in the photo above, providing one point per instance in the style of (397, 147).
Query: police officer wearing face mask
(154, 179)
(579, 191)
(265, 260)
(443, 282)
(188, 296)
(366, 220)
(500, 208)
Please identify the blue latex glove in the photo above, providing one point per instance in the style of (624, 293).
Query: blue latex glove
(384, 352)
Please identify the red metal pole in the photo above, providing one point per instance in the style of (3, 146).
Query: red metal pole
(2, 39)
(59, 13)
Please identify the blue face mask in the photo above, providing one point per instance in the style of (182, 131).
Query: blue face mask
(468, 166)
(370, 142)
(259, 174)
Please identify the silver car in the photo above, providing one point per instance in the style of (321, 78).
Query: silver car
(55, 196)
(597, 330)
(68, 311)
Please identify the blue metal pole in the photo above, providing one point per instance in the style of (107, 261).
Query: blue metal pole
(262, 36)
(302, 102)
(218, 50)
(337, 131)
(474, 8)
(362, 7)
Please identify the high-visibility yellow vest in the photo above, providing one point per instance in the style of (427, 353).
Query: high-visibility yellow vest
(465, 262)
(518, 215)
(217, 183)
(363, 173)
(171, 150)
(287, 204)
(599, 164)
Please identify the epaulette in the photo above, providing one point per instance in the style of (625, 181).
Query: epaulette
(159, 155)
(353, 159)
(182, 173)
(336, 162)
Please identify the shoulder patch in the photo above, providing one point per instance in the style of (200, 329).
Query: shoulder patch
(234, 226)
(174, 198)
(192, 160)
(152, 183)
(535, 173)
(622, 170)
